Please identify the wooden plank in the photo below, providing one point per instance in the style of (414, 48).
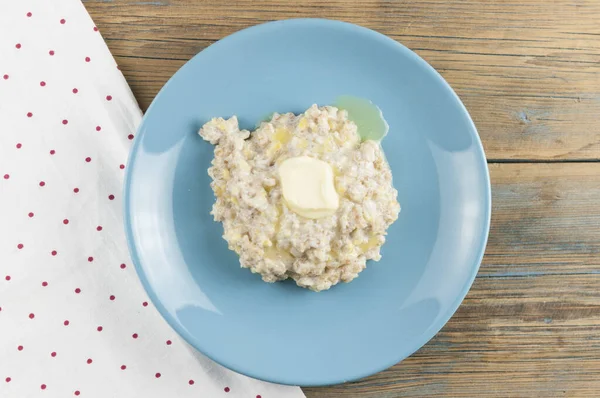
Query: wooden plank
(530, 325)
(528, 71)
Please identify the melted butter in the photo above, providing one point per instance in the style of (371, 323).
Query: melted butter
(226, 174)
(274, 253)
(302, 144)
(366, 115)
(371, 243)
(302, 124)
(282, 135)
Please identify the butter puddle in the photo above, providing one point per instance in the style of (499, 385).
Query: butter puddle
(366, 115)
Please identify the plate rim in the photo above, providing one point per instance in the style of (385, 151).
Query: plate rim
(402, 354)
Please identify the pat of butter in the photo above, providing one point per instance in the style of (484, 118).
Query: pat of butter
(308, 187)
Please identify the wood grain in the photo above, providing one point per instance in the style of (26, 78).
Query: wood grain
(528, 71)
(530, 326)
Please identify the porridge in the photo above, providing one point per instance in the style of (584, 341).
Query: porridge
(301, 197)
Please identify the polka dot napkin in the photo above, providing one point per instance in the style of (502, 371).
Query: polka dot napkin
(74, 320)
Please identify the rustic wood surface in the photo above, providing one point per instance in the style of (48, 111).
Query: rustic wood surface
(529, 73)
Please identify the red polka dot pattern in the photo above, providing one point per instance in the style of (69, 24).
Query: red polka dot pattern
(71, 123)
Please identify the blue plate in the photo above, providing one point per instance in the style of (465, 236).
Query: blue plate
(280, 332)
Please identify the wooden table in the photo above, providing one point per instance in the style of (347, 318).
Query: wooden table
(529, 73)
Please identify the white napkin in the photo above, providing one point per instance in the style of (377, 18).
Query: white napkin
(74, 320)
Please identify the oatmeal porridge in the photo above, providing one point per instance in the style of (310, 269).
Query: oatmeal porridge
(301, 197)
